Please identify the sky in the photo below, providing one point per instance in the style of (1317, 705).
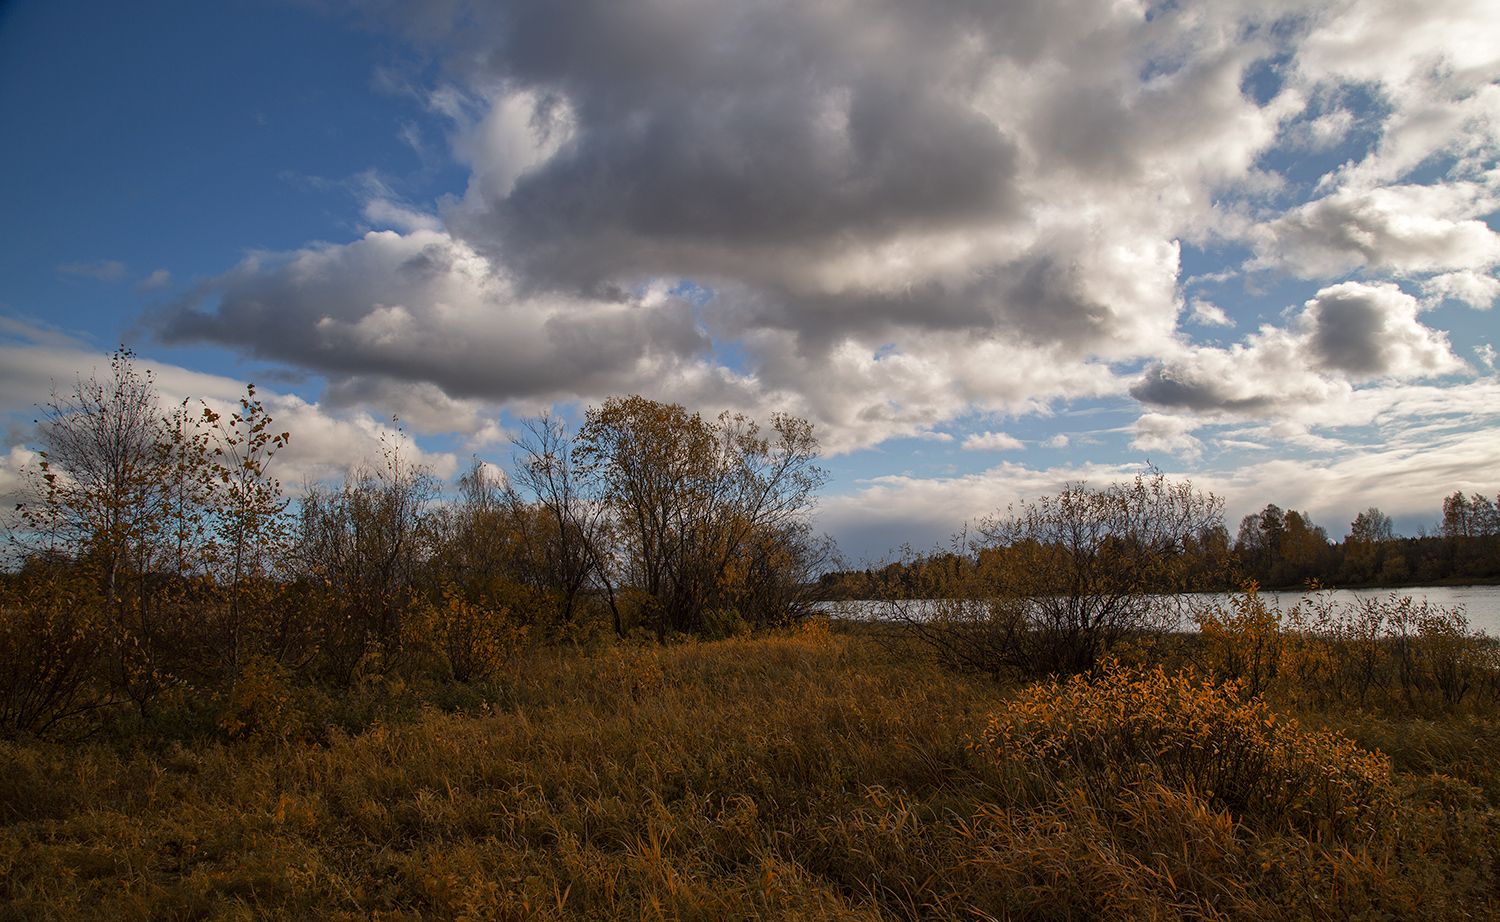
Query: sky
(987, 248)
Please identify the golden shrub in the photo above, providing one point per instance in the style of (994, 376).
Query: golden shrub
(1242, 640)
(262, 703)
(476, 640)
(51, 637)
(1128, 727)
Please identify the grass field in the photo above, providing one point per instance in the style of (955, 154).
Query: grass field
(807, 775)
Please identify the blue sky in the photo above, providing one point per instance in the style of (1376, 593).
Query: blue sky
(986, 250)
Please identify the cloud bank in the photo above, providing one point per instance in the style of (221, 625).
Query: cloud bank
(888, 217)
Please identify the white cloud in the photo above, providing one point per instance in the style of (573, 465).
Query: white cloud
(1158, 433)
(1406, 475)
(385, 214)
(1206, 313)
(425, 307)
(879, 515)
(1406, 228)
(1372, 331)
(1348, 333)
(14, 464)
(992, 441)
(1477, 290)
(885, 217)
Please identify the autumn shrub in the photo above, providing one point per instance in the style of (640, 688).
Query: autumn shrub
(476, 641)
(1384, 653)
(262, 703)
(1242, 640)
(51, 642)
(719, 623)
(1126, 728)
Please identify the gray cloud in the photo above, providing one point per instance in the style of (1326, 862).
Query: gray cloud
(1371, 331)
(424, 307)
(1401, 228)
(1350, 332)
(897, 213)
(856, 163)
(1193, 386)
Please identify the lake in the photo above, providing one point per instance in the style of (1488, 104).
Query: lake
(1480, 603)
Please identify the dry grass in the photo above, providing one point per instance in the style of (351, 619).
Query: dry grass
(802, 776)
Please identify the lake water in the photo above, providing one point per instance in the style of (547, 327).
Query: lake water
(1481, 604)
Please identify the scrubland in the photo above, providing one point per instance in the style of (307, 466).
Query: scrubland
(594, 689)
(813, 773)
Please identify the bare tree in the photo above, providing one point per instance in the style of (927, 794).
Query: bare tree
(1054, 584)
(101, 501)
(364, 544)
(98, 494)
(576, 538)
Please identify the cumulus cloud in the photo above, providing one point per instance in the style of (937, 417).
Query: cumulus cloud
(1408, 228)
(14, 465)
(1433, 66)
(1348, 333)
(423, 306)
(1472, 288)
(883, 216)
(990, 200)
(1372, 331)
(1160, 433)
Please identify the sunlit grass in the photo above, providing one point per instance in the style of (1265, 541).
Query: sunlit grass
(807, 775)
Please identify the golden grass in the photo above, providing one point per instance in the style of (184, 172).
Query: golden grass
(801, 776)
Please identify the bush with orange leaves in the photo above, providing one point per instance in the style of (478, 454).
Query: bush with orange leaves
(1126, 728)
(475, 640)
(51, 640)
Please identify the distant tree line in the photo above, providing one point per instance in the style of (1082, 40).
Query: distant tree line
(1285, 549)
(1275, 548)
(157, 559)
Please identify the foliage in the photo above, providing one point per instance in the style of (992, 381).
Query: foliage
(475, 641)
(99, 488)
(1282, 548)
(172, 518)
(1388, 653)
(800, 775)
(1126, 728)
(573, 534)
(1058, 582)
(1242, 640)
(371, 715)
(359, 549)
(262, 704)
(696, 504)
(249, 514)
(50, 645)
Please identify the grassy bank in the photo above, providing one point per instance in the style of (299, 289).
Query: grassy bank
(807, 775)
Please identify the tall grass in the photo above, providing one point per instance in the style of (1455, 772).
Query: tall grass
(806, 775)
